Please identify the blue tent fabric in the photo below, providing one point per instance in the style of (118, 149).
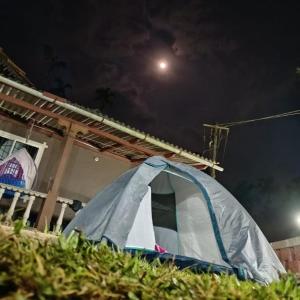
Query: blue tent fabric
(183, 262)
(240, 242)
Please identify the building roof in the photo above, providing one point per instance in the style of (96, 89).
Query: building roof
(46, 112)
(10, 70)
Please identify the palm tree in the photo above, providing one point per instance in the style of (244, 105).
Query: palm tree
(56, 74)
(104, 98)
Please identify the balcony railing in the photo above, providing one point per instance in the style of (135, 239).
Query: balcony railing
(29, 197)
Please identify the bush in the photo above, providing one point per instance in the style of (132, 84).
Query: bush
(75, 269)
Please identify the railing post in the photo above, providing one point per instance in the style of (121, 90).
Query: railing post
(12, 206)
(28, 209)
(2, 190)
(61, 216)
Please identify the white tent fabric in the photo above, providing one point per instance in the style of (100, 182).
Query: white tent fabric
(209, 223)
(195, 231)
(27, 164)
(167, 238)
(141, 234)
(195, 236)
(161, 184)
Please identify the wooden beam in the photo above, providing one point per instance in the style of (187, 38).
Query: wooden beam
(110, 147)
(136, 162)
(54, 97)
(105, 151)
(78, 142)
(200, 167)
(116, 145)
(49, 204)
(169, 155)
(97, 150)
(96, 131)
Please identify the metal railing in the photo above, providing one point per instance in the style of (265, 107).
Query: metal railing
(29, 197)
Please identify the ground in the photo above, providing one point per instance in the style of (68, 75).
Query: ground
(38, 267)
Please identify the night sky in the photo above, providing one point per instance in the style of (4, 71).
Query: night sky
(228, 61)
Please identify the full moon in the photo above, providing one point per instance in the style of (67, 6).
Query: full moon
(162, 65)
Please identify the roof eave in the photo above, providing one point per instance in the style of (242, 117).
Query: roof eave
(102, 119)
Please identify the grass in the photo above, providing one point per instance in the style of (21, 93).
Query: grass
(74, 269)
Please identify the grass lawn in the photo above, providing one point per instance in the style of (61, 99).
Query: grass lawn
(74, 269)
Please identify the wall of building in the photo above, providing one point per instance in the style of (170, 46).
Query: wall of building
(83, 177)
(288, 251)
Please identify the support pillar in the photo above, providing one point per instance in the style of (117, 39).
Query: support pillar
(48, 206)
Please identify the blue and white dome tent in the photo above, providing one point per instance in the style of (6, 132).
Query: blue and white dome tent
(162, 206)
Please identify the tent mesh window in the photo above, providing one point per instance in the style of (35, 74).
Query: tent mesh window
(164, 210)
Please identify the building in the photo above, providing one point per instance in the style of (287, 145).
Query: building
(288, 252)
(76, 150)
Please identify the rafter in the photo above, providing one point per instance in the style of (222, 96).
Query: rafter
(78, 142)
(98, 132)
(117, 145)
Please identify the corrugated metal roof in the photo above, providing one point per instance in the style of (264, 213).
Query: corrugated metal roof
(9, 69)
(108, 135)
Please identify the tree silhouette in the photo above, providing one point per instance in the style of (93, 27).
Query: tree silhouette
(56, 73)
(104, 98)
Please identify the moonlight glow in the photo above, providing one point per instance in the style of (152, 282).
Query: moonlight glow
(163, 65)
(298, 220)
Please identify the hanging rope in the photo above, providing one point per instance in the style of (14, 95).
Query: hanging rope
(29, 131)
